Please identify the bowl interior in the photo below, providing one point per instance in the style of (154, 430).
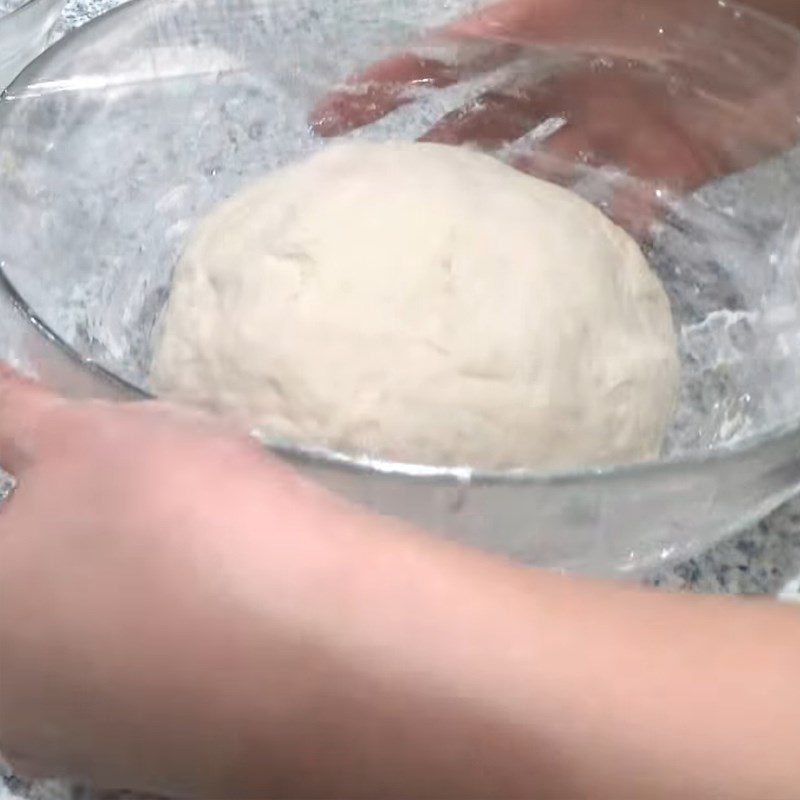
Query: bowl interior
(24, 29)
(9, 6)
(119, 139)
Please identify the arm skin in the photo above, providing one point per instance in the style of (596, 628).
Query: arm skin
(180, 614)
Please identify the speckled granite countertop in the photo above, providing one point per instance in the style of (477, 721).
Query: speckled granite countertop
(764, 560)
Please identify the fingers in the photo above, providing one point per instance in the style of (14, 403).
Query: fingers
(23, 403)
(494, 119)
(377, 92)
(488, 39)
(390, 84)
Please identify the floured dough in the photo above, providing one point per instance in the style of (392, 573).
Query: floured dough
(427, 304)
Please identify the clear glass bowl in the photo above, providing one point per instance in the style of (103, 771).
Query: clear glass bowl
(24, 28)
(120, 137)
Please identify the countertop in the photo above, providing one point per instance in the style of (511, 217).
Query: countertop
(764, 560)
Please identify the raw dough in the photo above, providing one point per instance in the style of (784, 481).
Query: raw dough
(427, 304)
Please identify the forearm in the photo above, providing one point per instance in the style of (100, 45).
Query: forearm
(416, 669)
(485, 681)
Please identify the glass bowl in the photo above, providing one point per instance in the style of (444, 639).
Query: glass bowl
(118, 139)
(24, 29)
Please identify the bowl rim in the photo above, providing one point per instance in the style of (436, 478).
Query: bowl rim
(327, 458)
(19, 9)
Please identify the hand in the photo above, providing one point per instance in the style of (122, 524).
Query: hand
(671, 119)
(130, 554)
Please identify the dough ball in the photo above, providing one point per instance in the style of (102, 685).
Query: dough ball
(426, 304)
